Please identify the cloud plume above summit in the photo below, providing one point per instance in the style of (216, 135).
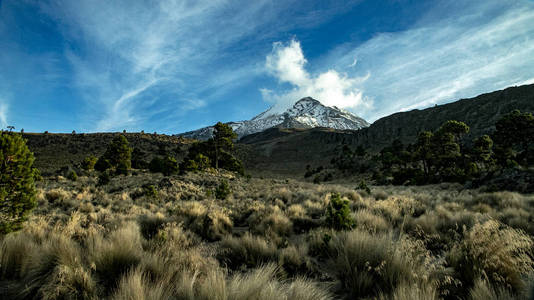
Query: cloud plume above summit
(287, 63)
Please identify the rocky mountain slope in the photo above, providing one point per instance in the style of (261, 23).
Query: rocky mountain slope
(306, 113)
(286, 151)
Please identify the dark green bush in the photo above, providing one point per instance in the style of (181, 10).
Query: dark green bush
(104, 178)
(150, 191)
(156, 165)
(89, 162)
(170, 166)
(167, 166)
(102, 164)
(72, 175)
(222, 191)
(122, 168)
(17, 182)
(364, 187)
(118, 155)
(119, 151)
(338, 213)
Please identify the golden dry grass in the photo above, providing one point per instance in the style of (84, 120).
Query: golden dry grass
(267, 241)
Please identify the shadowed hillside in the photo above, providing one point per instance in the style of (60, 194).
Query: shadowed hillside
(285, 151)
(288, 151)
(55, 150)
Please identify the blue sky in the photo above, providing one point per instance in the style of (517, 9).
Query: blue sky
(172, 66)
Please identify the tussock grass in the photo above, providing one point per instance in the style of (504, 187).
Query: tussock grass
(247, 250)
(115, 256)
(136, 285)
(494, 251)
(367, 264)
(267, 241)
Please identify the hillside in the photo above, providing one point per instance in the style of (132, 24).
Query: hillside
(288, 151)
(56, 150)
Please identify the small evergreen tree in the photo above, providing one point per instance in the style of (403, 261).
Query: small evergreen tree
(89, 162)
(338, 213)
(216, 152)
(363, 186)
(482, 149)
(71, 175)
(156, 165)
(17, 185)
(102, 164)
(223, 139)
(119, 151)
(170, 166)
(515, 131)
(104, 178)
(222, 191)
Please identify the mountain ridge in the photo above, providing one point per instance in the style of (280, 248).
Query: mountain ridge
(287, 151)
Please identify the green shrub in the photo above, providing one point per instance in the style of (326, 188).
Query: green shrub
(122, 168)
(118, 155)
(72, 175)
(89, 162)
(364, 187)
(203, 162)
(156, 165)
(119, 151)
(104, 178)
(222, 191)
(170, 166)
(338, 213)
(167, 166)
(17, 182)
(150, 191)
(102, 164)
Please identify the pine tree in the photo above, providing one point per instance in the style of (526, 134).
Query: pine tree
(516, 130)
(17, 186)
(118, 154)
(223, 139)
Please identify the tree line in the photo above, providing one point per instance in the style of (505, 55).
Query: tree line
(445, 155)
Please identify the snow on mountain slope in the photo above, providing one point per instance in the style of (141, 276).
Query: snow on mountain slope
(306, 113)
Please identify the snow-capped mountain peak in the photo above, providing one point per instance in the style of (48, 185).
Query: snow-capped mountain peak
(305, 113)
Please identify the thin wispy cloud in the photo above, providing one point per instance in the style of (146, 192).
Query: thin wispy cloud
(138, 47)
(442, 60)
(287, 63)
(173, 65)
(3, 113)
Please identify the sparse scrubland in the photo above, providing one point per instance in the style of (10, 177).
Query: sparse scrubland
(203, 229)
(150, 236)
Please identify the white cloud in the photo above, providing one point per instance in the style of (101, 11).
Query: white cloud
(287, 64)
(487, 46)
(528, 81)
(187, 47)
(3, 114)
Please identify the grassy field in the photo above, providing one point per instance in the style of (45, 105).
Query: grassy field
(146, 236)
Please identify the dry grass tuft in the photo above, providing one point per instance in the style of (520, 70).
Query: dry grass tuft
(427, 242)
(247, 250)
(494, 251)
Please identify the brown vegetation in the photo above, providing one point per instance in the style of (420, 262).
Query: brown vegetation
(267, 240)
